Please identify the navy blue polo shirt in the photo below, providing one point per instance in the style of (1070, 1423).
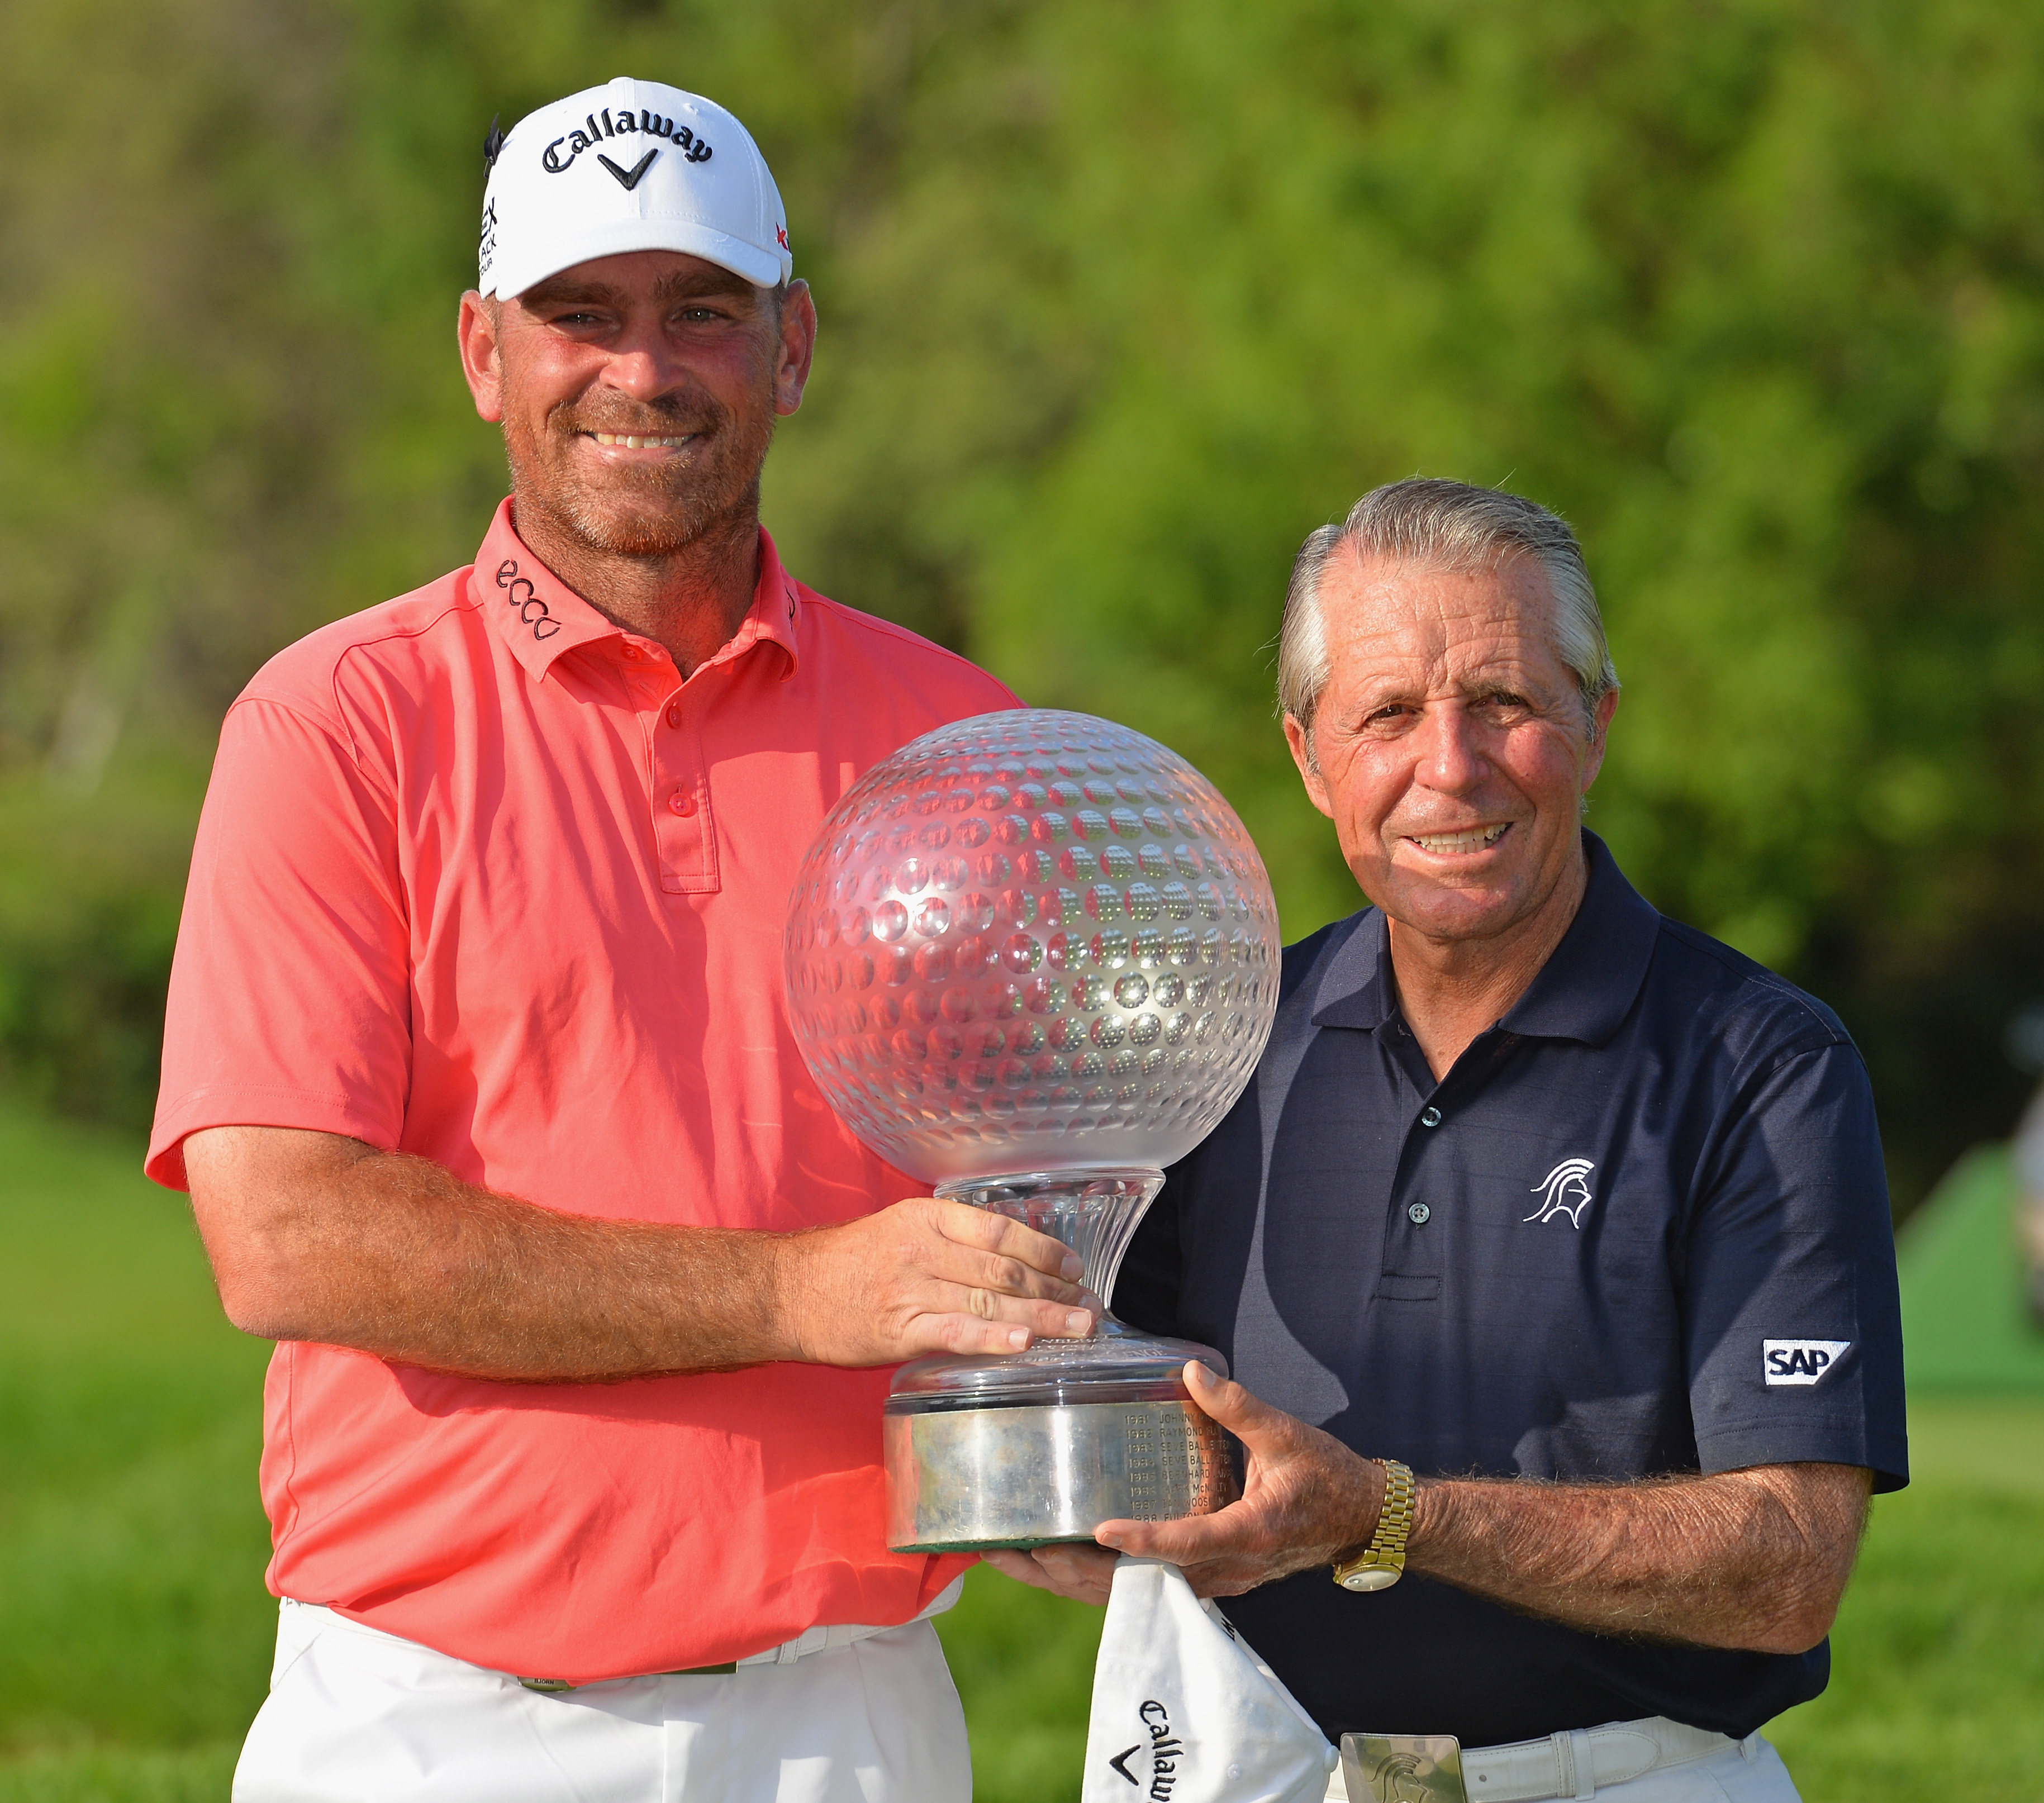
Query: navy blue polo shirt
(1641, 1227)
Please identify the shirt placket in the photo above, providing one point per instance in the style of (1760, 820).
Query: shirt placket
(683, 827)
(1413, 1230)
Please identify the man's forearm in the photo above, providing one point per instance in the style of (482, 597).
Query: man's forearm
(314, 1236)
(1755, 1560)
(395, 1256)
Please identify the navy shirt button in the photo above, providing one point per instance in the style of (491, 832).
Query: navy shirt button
(1430, 1117)
(1418, 1214)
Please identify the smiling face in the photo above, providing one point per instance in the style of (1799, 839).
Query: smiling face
(1449, 746)
(638, 394)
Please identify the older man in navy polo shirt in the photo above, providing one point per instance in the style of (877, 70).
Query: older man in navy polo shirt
(1550, 1246)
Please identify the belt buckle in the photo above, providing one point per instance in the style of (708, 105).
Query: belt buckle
(1403, 1768)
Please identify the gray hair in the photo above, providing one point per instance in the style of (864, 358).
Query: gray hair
(1452, 526)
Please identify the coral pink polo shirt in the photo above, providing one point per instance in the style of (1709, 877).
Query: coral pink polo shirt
(479, 877)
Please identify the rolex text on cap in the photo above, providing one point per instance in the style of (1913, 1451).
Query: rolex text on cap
(630, 166)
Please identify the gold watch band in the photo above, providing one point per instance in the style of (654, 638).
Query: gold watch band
(1382, 1562)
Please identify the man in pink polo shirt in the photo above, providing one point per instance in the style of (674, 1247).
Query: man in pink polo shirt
(477, 1069)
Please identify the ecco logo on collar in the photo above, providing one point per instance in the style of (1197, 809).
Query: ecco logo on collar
(1799, 1361)
(531, 605)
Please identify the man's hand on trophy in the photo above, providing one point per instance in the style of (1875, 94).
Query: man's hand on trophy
(1306, 1500)
(925, 1276)
(1074, 1568)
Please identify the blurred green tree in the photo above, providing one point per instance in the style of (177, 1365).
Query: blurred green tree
(1119, 301)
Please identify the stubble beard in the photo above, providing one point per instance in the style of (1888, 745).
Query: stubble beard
(653, 511)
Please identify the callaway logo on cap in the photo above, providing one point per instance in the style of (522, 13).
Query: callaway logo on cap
(630, 166)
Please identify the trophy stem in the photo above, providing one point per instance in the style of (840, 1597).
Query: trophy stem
(1095, 1212)
(1024, 1449)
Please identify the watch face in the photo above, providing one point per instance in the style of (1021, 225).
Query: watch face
(1370, 1578)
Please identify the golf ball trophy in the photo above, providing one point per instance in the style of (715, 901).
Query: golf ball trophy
(1031, 958)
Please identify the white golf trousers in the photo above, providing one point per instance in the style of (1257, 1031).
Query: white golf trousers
(355, 1716)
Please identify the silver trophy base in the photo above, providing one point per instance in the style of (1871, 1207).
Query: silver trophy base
(1025, 1449)
(965, 1479)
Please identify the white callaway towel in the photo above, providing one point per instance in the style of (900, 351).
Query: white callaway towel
(1184, 1712)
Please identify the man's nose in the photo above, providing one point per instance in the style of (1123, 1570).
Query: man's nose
(1451, 754)
(643, 365)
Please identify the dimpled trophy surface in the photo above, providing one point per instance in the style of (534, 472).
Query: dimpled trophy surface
(1031, 958)
(1031, 940)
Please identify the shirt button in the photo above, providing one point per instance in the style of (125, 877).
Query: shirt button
(631, 651)
(674, 716)
(682, 801)
(1419, 1213)
(1429, 1117)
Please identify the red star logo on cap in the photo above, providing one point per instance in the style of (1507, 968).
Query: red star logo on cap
(781, 233)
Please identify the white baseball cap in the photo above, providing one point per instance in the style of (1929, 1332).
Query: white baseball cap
(630, 166)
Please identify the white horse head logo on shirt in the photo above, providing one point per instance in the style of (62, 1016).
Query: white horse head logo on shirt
(1564, 1190)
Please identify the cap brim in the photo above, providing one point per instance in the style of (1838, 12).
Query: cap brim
(765, 268)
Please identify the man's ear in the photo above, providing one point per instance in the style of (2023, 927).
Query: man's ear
(479, 333)
(797, 347)
(1301, 739)
(1600, 737)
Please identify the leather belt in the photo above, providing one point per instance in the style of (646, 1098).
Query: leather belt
(809, 1640)
(1578, 1763)
(818, 1639)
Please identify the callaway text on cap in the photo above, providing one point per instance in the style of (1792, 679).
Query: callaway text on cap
(630, 166)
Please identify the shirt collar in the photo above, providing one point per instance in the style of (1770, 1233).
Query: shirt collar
(1584, 991)
(1356, 989)
(541, 616)
(775, 616)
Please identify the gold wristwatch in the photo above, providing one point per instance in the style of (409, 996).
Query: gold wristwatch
(1382, 1562)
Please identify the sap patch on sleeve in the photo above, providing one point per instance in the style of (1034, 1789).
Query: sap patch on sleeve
(1799, 1361)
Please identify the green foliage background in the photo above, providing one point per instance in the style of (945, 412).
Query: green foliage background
(1120, 298)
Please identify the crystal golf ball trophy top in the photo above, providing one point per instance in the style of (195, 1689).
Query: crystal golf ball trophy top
(1031, 958)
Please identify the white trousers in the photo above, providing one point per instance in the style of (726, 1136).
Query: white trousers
(357, 1715)
(1745, 1771)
